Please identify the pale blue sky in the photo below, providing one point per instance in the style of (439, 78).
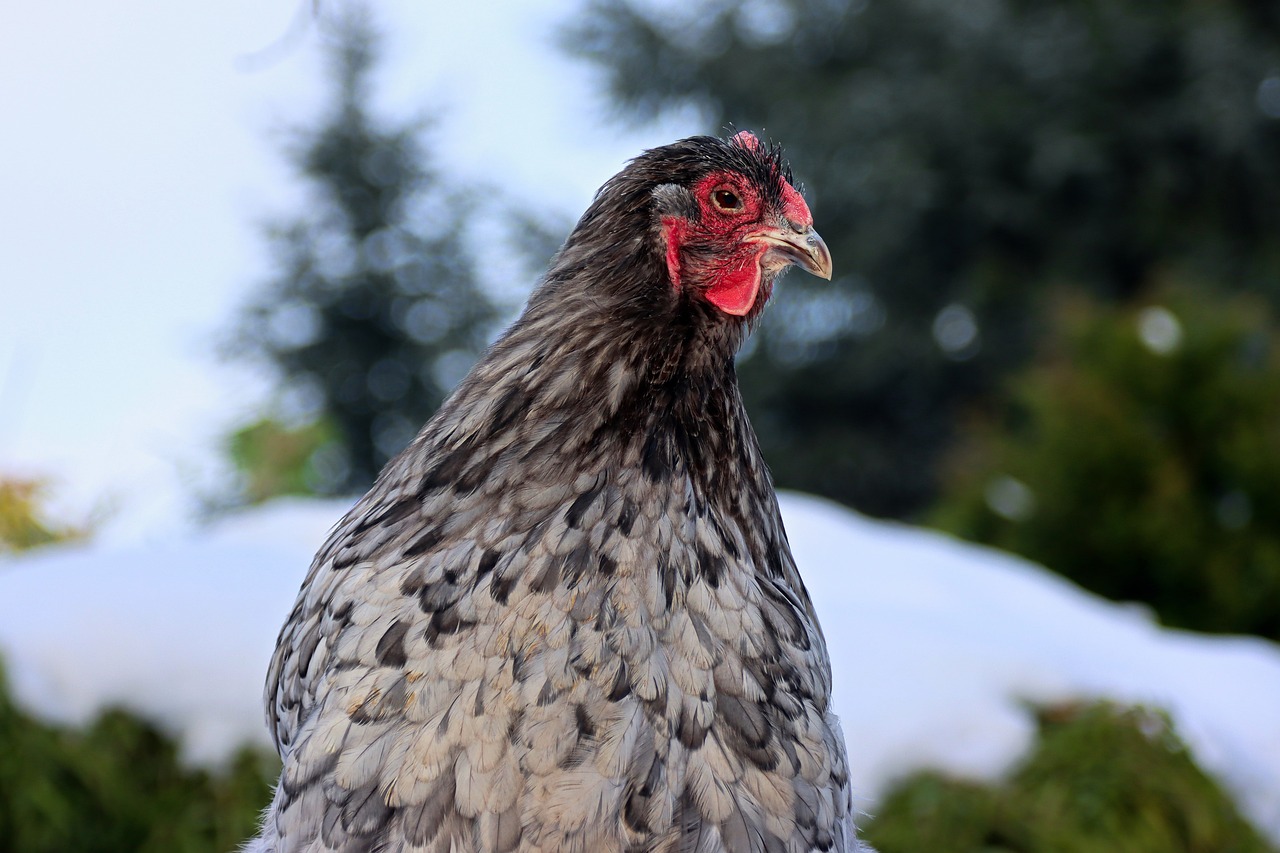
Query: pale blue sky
(141, 151)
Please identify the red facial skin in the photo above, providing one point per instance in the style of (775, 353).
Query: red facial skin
(732, 282)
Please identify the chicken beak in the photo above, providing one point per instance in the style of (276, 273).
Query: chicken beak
(803, 248)
(817, 257)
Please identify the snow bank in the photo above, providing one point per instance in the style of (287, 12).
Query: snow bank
(936, 645)
(180, 631)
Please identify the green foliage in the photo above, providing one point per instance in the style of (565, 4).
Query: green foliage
(1141, 458)
(962, 159)
(1100, 780)
(23, 520)
(374, 311)
(118, 786)
(274, 459)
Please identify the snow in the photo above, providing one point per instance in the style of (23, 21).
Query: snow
(936, 644)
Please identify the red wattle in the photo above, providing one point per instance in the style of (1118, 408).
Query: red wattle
(734, 291)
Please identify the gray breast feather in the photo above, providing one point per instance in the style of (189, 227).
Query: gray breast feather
(573, 668)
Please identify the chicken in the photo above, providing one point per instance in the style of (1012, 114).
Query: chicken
(566, 617)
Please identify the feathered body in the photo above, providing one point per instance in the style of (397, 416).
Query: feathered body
(567, 618)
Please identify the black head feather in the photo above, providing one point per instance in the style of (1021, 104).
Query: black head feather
(615, 253)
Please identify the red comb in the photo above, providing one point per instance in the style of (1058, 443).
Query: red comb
(746, 139)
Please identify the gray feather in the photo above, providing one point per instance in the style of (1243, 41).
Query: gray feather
(567, 618)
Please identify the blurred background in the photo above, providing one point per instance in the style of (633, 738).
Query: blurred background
(248, 248)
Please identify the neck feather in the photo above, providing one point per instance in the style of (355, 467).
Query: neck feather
(595, 365)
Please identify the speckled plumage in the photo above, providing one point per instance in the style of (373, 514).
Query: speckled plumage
(567, 618)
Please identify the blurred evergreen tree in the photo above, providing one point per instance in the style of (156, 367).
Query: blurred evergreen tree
(962, 158)
(1140, 456)
(374, 312)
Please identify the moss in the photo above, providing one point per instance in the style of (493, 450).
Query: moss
(118, 785)
(1101, 779)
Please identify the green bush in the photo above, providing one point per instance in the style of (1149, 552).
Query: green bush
(1141, 458)
(274, 459)
(1101, 780)
(119, 786)
(23, 517)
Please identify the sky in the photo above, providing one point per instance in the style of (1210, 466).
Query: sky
(141, 156)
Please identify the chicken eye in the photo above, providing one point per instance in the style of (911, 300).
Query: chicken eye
(726, 199)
